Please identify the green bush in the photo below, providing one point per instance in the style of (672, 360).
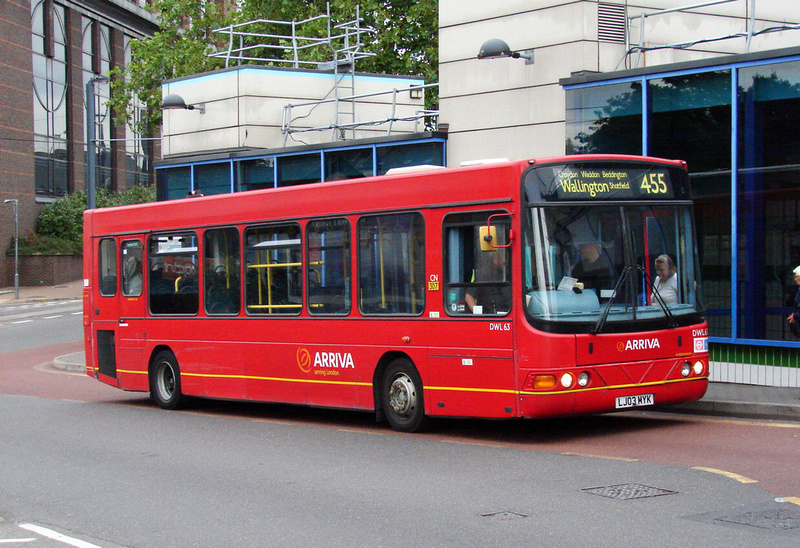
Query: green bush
(59, 227)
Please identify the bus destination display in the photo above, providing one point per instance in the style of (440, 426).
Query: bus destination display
(591, 183)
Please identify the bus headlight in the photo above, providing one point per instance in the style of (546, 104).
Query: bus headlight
(686, 369)
(566, 380)
(583, 379)
(699, 367)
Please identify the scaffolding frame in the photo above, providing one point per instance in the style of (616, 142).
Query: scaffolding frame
(748, 34)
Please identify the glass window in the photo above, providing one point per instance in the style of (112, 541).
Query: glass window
(255, 174)
(711, 193)
(768, 206)
(221, 267)
(299, 169)
(107, 267)
(328, 266)
(690, 119)
(391, 264)
(476, 282)
(49, 41)
(173, 284)
(137, 149)
(213, 178)
(173, 182)
(349, 164)
(274, 278)
(417, 154)
(605, 119)
(132, 268)
(96, 60)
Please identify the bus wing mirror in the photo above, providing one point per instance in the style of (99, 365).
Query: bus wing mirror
(488, 235)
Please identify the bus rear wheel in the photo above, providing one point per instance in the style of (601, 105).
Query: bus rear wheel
(165, 381)
(401, 392)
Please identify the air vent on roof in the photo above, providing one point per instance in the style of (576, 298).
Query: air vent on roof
(611, 22)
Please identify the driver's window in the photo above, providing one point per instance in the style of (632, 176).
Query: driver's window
(221, 271)
(476, 281)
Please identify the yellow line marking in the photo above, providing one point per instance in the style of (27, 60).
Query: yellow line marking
(793, 500)
(359, 431)
(466, 442)
(571, 454)
(731, 475)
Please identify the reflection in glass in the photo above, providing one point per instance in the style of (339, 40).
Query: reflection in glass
(605, 119)
(768, 206)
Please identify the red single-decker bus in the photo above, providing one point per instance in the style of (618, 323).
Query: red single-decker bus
(528, 288)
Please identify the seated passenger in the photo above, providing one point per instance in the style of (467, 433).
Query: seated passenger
(594, 269)
(666, 282)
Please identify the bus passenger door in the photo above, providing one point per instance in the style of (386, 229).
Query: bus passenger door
(105, 311)
(130, 328)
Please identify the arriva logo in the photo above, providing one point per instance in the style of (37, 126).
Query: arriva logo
(335, 360)
(638, 344)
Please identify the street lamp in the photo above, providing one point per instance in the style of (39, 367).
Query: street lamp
(15, 204)
(175, 101)
(91, 157)
(496, 48)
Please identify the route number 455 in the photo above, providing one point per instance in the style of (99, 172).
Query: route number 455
(653, 183)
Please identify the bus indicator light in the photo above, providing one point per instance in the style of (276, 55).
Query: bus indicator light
(539, 382)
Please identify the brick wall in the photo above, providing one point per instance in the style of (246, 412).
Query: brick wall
(39, 270)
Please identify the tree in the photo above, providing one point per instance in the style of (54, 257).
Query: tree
(180, 48)
(405, 41)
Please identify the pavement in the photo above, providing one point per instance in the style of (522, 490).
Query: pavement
(721, 399)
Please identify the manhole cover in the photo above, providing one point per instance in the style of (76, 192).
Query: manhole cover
(503, 516)
(628, 491)
(768, 519)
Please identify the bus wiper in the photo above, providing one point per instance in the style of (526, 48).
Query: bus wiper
(671, 321)
(601, 321)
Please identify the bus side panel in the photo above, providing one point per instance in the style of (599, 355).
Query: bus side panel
(209, 353)
(473, 376)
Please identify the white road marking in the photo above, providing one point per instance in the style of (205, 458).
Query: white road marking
(58, 536)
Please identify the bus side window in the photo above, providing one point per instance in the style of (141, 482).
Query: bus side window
(221, 272)
(391, 264)
(274, 282)
(328, 266)
(476, 281)
(107, 267)
(173, 286)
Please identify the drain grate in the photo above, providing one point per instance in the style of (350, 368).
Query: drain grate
(776, 520)
(503, 516)
(628, 491)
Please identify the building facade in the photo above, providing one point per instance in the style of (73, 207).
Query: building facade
(716, 84)
(49, 51)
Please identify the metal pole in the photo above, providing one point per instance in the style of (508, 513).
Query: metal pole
(15, 204)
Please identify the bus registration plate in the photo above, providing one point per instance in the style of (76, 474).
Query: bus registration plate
(641, 400)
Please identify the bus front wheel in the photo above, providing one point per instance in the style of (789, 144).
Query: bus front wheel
(165, 381)
(401, 391)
